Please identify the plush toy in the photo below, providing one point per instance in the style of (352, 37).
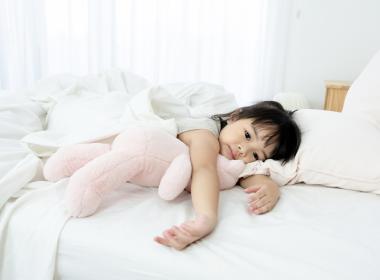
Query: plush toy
(143, 156)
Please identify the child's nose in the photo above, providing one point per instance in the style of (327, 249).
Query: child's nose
(241, 150)
(245, 151)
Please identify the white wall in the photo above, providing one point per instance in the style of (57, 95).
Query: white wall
(329, 40)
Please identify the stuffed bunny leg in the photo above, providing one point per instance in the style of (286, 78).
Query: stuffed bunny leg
(69, 159)
(99, 177)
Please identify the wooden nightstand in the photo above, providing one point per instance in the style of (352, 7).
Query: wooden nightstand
(335, 94)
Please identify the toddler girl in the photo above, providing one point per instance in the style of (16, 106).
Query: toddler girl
(258, 132)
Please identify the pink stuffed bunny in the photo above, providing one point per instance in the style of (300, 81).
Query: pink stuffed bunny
(143, 156)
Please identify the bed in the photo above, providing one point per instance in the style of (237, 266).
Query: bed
(325, 226)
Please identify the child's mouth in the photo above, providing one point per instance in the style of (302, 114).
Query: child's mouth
(232, 153)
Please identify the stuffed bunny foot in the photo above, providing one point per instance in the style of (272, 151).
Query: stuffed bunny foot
(92, 182)
(86, 206)
(69, 159)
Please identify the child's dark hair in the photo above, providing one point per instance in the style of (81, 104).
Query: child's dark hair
(285, 132)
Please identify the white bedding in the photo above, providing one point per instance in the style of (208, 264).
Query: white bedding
(313, 233)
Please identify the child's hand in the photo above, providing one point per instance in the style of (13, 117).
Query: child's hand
(181, 236)
(262, 197)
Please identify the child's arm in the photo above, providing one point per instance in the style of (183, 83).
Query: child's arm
(263, 193)
(204, 148)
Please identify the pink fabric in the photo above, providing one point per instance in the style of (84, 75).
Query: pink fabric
(144, 156)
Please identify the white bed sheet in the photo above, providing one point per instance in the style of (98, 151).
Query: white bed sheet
(313, 233)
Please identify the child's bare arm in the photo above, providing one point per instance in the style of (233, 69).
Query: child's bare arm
(263, 193)
(204, 148)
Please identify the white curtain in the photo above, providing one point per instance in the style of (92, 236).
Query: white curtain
(239, 44)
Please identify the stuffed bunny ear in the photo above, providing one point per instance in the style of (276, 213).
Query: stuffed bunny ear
(176, 178)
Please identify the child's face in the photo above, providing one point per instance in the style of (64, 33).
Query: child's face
(240, 140)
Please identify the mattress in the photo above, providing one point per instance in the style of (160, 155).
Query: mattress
(312, 233)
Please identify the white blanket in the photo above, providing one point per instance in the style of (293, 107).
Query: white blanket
(94, 109)
(18, 117)
(31, 254)
(64, 110)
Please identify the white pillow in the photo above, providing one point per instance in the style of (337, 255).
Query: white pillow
(340, 149)
(363, 97)
(337, 150)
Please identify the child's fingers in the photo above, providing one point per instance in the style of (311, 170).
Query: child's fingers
(181, 239)
(251, 189)
(169, 232)
(260, 202)
(180, 232)
(264, 208)
(173, 240)
(256, 196)
(168, 239)
(176, 237)
(162, 241)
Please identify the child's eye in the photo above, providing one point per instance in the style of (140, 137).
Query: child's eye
(255, 156)
(247, 135)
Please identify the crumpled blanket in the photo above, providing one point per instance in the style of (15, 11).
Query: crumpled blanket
(94, 109)
(63, 110)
